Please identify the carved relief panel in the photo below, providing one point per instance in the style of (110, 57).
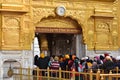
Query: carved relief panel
(11, 32)
(103, 33)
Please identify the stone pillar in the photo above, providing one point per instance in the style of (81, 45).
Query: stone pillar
(1, 69)
(1, 73)
(80, 48)
(27, 59)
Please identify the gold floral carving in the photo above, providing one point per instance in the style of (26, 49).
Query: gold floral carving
(58, 25)
(39, 13)
(90, 33)
(11, 36)
(105, 34)
(55, 22)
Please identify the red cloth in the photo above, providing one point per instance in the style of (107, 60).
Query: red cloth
(106, 54)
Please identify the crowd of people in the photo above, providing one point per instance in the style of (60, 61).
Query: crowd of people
(71, 62)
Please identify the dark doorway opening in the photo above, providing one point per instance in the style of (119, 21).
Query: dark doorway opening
(60, 44)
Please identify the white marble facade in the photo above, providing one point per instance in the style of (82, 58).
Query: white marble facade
(14, 59)
(113, 53)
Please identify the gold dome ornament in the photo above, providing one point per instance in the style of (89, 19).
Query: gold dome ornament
(60, 10)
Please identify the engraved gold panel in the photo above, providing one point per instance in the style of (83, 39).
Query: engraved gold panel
(103, 31)
(10, 34)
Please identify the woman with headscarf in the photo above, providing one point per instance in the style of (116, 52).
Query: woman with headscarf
(55, 66)
(108, 64)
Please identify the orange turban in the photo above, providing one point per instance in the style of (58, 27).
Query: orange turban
(42, 55)
(67, 56)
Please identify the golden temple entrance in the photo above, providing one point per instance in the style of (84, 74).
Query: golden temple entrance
(59, 36)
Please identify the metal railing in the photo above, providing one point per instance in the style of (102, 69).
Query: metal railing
(48, 74)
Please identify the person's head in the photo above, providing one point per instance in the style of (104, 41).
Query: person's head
(108, 58)
(67, 56)
(61, 59)
(73, 57)
(51, 58)
(106, 54)
(94, 63)
(42, 55)
(56, 58)
(96, 58)
(102, 57)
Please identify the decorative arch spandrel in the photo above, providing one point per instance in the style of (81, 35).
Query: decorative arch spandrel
(106, 34)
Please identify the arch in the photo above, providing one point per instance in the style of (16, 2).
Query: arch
(70, 17)
(7, 64)
(58, 24)
(67, 25)
(12, 22)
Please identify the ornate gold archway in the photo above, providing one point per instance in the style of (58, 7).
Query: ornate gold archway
(58, 25)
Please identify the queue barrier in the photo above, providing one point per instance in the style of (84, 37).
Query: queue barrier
(48, 74)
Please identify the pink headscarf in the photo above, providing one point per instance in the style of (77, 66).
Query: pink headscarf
(97, 57)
